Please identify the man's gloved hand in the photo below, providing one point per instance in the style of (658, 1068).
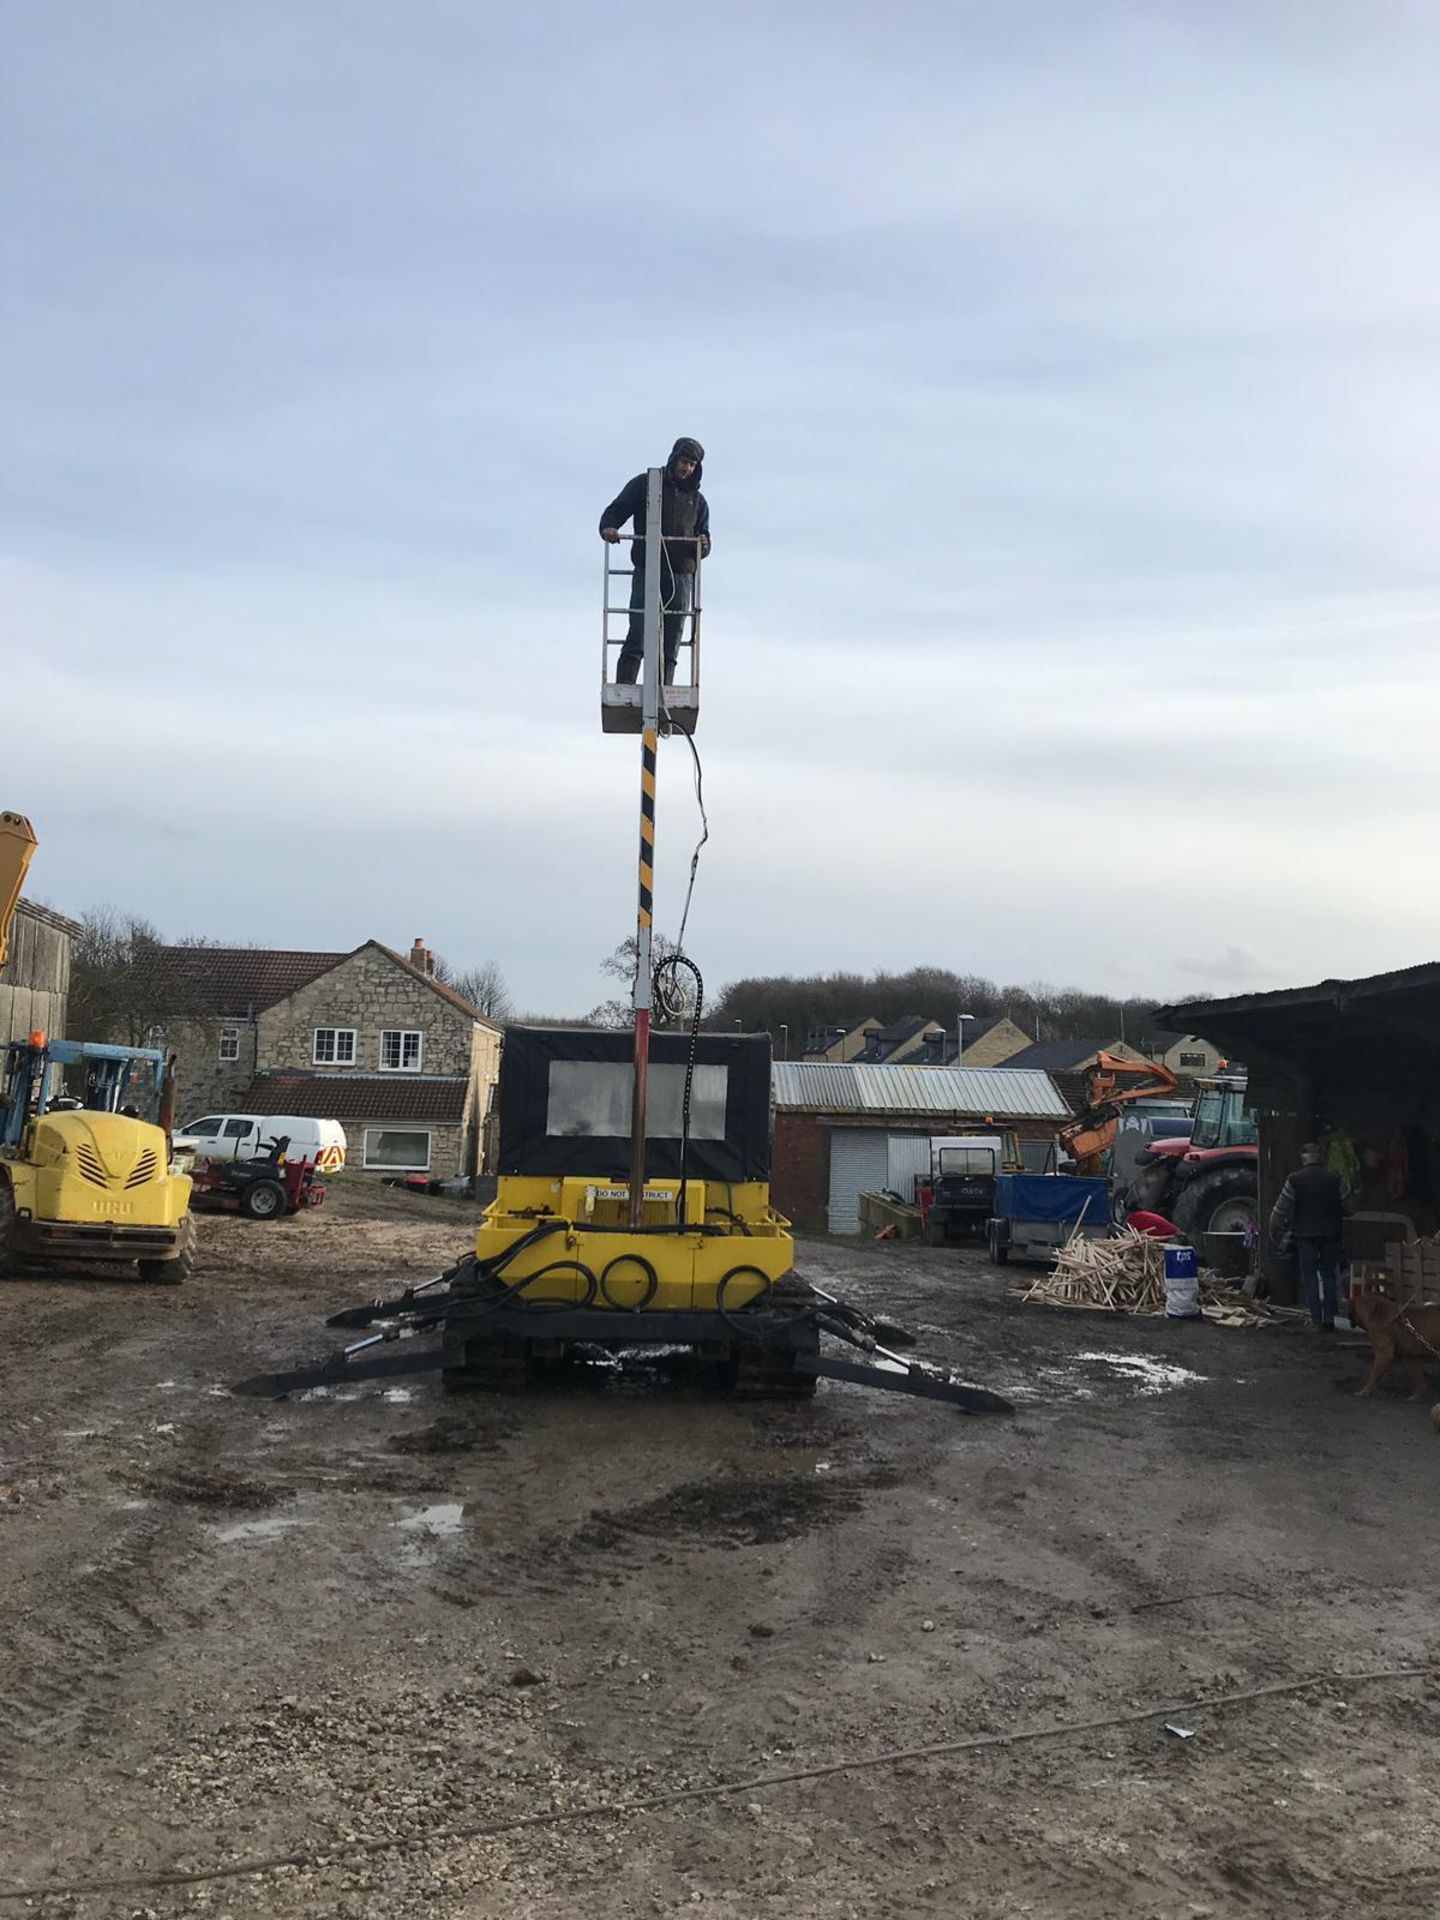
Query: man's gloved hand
(612, 534)
(704, 546)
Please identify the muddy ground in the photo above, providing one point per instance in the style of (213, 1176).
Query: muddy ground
(233, 1627)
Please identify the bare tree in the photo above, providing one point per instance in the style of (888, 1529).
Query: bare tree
(483, 986)
(125, 985)
(620, 965)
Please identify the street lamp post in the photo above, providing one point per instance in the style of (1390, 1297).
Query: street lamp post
(960, 1020)
(784, 1040)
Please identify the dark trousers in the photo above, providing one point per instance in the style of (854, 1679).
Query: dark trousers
(1320, 1277)
(677, 590)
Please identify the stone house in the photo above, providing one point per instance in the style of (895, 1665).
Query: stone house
(369, 1038)
(917, 1042)
(35, 980)
(991, 1040)
(1186, 1055)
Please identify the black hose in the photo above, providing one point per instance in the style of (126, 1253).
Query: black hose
(734, 1316)
(652, 1282)
(672, 1004)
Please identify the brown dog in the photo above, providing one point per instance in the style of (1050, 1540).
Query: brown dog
(1399, 1329)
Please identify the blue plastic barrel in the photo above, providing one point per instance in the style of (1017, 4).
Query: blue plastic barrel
(1182, 1283)
(1181, 1263)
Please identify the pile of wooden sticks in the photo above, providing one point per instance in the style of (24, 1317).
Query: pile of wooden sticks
(1126, 1274)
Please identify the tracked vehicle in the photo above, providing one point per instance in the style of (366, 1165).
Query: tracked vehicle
(633, 1205)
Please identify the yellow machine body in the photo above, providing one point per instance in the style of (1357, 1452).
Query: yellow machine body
(97, 1185)
(17, 844)
(754, 1244)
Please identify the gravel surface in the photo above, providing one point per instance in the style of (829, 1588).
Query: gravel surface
(233, 1628)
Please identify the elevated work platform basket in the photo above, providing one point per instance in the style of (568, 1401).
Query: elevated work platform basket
(621, 703)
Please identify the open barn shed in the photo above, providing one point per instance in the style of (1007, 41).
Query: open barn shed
(1355, 1063)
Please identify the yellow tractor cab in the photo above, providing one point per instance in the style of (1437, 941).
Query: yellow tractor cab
(85, 1160)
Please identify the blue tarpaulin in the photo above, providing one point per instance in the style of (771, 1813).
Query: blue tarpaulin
(1052, 1196)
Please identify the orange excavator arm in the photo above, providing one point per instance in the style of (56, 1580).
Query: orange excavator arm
(17, 844)
(1111, 1084)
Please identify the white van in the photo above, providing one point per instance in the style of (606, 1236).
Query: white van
(243, 1136)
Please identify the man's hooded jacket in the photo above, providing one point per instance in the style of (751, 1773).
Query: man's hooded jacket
(684, 509)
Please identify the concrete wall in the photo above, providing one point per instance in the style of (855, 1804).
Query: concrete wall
(35, 983)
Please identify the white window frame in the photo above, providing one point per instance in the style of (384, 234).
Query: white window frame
(335, 1034)
(402, 1034)
(390, 1166)
(229, 1035)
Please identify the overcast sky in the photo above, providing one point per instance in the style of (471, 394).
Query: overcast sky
(1068, 378)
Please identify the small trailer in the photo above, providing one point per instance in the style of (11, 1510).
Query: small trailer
(1037, 1212)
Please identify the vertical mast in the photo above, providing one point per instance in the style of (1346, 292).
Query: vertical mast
(644, 919)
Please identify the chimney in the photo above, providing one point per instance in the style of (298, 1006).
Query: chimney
(422, 959)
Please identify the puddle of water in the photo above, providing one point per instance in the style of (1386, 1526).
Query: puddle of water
(80, 1433)
(397, 1396)
(166, 1386)
(426, 1528)
(1149, 1376)
(329, 1393)
(443, 1519)
(131, 1506)
(270, 1528)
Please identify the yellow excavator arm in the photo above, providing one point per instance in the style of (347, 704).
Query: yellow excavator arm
(17, 843)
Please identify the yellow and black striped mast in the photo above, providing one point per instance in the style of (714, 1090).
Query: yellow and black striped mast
(645, 912)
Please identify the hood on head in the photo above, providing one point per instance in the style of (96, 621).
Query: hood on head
(692, 450)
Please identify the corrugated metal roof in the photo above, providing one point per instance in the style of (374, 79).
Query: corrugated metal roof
(807, 1086)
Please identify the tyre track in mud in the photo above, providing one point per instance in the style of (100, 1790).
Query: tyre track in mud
(82, 1634)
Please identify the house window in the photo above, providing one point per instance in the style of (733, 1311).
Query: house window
(334, 1047)
(397, 1149)
(400, 1050)
(1192, 1059)
(229, 1043)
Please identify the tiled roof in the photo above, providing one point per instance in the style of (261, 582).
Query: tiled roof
(1059, 1056)
(244, 979)
(801, 1086)
(408, 1097)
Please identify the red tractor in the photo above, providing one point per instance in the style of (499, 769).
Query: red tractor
(1209, 1183)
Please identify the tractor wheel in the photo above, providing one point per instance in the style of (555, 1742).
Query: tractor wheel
(174, 1273)
(263, 1200)
(1220, 1202)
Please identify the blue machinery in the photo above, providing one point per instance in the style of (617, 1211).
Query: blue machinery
(36, 1077)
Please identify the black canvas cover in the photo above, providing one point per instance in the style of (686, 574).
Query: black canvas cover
(565, 1099)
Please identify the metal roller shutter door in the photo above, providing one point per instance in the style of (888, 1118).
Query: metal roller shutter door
(909, 1162)
(859, 1163)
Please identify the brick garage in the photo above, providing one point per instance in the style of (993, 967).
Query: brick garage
(814, 1103)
